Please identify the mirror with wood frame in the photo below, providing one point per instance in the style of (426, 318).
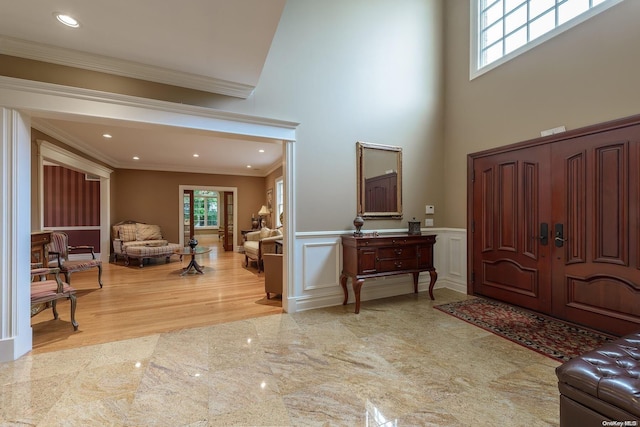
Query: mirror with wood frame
(379, 180)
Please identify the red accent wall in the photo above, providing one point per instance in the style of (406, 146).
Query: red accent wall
(69, 199)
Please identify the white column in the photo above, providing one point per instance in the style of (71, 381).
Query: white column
(15, 234)
(288, 294)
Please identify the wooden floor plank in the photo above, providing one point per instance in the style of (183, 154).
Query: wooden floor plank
(142, 301)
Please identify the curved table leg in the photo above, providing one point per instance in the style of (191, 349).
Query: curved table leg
(193, 265)
(343, 283)
(434, 277)
(357, 285)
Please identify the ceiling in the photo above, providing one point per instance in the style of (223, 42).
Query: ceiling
(228, 42)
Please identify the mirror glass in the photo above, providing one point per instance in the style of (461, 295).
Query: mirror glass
(379, 180)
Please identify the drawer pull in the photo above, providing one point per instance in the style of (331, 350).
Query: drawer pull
(398, 251)
(398, 264)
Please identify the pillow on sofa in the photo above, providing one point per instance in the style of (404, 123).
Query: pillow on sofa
(148, 232)
(127, 232)
(276, 232)
(265, 232)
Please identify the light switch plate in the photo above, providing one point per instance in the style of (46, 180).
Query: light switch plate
(430, 210)
(428, 222)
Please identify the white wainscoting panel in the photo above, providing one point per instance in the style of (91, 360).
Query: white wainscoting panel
(318, 264)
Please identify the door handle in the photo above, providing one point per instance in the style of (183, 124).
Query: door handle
(559, 237)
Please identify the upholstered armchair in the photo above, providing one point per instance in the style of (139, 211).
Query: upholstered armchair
(59, 250)
(46, 292)
(258, 243)
(272, 274)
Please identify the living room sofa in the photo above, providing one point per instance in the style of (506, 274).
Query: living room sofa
(137, 240)
(258, 243)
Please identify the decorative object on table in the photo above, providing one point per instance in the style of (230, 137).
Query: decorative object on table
(193, 243)
(358, 222)
(414, 227)
(263, 213)
(255, 222)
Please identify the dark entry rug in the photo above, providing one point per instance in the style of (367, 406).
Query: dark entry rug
(553, 338)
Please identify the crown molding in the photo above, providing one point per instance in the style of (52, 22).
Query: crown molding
(191, 116)
(104, 64)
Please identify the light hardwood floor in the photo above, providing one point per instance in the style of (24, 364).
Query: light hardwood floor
(135, 301)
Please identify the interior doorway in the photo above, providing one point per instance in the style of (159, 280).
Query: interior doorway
(205, 210)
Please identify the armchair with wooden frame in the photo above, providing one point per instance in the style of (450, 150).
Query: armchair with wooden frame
(59, 251)
(46, 292)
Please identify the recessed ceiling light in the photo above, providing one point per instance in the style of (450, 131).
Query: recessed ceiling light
(261, 151)
(196, 155)
(248, 166)
(67, 20)
(106, 135)
(136, 158)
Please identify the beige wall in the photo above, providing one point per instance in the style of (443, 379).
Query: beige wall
(357, 70)
(153, 197)
(584, 76)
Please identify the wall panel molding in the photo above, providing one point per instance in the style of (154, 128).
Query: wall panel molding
(316, 283)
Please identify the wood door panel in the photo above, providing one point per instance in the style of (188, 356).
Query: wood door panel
(507, 275)
(576, 226)
(487, 207)
(611, 178)
(603, 295)
(507, 209)
(510, 263)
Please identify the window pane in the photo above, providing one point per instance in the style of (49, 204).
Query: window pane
(516, 19)
(493, 34)
(515, 40)
(509, 5)
(502, 24)
(571, 9)
(492, 14)
(493, 53)
(542, 25)
(538, 7)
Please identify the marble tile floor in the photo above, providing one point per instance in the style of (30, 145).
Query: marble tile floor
(398, 363)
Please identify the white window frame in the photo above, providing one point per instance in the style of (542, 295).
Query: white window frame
(474, 61)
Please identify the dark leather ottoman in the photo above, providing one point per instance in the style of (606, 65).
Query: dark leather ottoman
(602, 387)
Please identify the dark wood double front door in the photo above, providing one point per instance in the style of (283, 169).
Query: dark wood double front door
(555, 227)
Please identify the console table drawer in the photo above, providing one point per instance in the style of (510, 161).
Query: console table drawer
(397, 252)
(386, 265)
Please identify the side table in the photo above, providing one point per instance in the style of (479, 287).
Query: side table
(193, 265)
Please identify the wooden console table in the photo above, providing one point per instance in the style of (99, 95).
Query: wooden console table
(376, 256)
